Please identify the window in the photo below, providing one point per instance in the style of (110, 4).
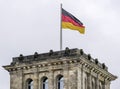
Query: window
(29, 84)
(45, 83)
(60, 82)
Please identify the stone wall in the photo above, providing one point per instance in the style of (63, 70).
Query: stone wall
(79, 71)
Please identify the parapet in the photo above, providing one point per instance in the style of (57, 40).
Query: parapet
(51, 55)
(67, 57)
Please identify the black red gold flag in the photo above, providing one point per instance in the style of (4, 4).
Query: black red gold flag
(71, 22)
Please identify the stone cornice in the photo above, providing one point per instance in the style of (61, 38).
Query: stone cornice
(68, 56)
(98, 70)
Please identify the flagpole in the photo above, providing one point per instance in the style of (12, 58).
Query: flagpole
(60, 26)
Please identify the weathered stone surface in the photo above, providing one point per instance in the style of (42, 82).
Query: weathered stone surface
(79, 70)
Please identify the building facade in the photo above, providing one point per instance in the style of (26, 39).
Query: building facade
(66, 69)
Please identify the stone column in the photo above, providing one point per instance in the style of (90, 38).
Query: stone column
(20, 79)
(79, 78)
(36, 84)
(82, 77)
(89, 81)
(66, 77)
(51, 80)
(16, 79)
(12, 76)
(106, 84)
(97, 82)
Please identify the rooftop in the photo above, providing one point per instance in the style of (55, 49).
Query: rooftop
(72, 53)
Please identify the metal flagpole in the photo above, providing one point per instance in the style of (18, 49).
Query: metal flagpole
(61, 27)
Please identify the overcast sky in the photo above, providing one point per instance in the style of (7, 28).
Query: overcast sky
(27, 26)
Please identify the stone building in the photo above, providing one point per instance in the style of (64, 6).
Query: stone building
(66, 69)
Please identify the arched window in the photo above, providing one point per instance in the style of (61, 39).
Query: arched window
(60, 82)
(29, 84)
(45, 83)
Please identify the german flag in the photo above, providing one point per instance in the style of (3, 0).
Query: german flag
(71, 22)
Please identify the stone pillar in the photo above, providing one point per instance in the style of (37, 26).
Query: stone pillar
(16, 79)
(72, 79)
(11, 80)
(36, 84)
(51, 80)
(82, 77)
(66, 77)
(97, 82)
(40, 80)
(79, 78)
(89, 81)
(106, 84)
(20, 79)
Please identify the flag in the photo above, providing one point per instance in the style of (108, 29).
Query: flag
(71, 22)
